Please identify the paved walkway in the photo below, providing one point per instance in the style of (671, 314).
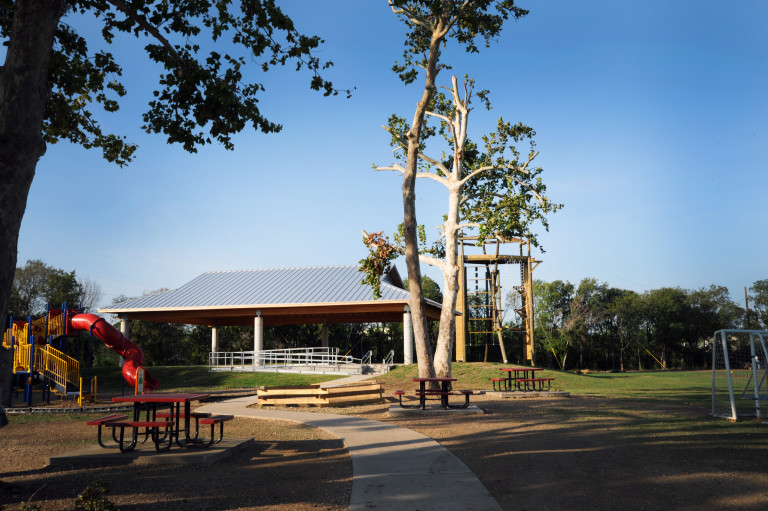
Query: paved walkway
(393, 468)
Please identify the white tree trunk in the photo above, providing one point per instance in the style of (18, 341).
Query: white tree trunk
(447, 333)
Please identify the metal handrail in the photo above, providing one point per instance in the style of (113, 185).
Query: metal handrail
(285, 357)
(389, 359)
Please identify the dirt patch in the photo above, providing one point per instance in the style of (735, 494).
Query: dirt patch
(294, 467)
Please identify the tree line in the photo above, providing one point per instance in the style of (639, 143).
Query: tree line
(596, 326)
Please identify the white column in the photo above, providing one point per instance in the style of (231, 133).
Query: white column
(124, 329)
(258, 337)
(325, 336)
(407, 337)
(214, 339)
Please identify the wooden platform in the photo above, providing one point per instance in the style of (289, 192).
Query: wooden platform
(314, 395)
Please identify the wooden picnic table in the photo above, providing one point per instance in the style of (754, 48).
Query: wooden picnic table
(149, 405)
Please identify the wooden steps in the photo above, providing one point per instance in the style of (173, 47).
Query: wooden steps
(314, 395)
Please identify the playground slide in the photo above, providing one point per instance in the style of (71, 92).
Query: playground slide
(116, 341)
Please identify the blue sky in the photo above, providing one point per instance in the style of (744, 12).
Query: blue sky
(651, 124)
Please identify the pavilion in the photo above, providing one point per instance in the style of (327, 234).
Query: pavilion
(286, 296)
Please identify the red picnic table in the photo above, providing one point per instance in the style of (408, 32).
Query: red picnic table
(149, 404)
(516, 374)
(445, 390)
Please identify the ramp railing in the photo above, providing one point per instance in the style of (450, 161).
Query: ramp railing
(327, 358)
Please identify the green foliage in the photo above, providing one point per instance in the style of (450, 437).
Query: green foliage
(94, 498)
(610, 328)
(204, 93)
(36, 284)
(759, 299)
(471, 23)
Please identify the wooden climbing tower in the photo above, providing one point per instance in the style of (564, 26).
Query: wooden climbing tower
(480, 296)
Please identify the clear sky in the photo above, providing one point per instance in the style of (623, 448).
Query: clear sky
(651, 121)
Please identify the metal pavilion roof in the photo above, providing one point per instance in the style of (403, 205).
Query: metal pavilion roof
(321, 294)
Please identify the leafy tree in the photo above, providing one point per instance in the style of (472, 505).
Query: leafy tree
(63, 287)
(491, 189)
(628, 309)
(759, 297)
(430, 23)
(552, 308)
(36, 284)
(52, 83)
(29, 286)
(665, 312)
(162, 343)
(586, 313)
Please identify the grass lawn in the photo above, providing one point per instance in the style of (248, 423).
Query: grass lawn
(187, 378)
(685, 387)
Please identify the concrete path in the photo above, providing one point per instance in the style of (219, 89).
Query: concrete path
(393, 468)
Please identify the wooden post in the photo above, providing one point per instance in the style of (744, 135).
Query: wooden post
(461, 306)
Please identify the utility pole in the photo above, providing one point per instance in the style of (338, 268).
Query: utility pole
(746, 308)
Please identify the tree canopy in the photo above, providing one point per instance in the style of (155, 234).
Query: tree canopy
(430, 24)
(54, 80)
(597, 326)
(36, 284)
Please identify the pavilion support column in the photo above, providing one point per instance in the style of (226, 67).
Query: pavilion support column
(407, 337)
(258, 338)
(125, 328)
(214, 339)
(324, 336)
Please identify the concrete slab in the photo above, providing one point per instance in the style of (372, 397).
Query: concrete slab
(433, 409)
(534, 394)
(145, 454)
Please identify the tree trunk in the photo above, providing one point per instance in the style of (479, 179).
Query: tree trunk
(24, 92)
(410, 225)
(447, 333)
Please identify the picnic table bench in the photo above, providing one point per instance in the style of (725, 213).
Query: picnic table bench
(531, 382)
(106, 421)
(213, 420)
(153, 430)
(183, 416)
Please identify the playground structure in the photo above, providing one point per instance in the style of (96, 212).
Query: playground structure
(739, 374)
(480, 323)
(39, 354)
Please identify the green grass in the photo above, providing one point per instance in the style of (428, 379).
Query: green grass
(178, 378)
(689, 387)
(683, 387)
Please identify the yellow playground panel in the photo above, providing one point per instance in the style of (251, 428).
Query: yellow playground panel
(33, 353)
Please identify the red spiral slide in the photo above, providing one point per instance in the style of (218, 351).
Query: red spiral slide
(116, 341)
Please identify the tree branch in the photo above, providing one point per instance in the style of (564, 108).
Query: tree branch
(468, 225)
(439, 116)
(434, 162)
(530, 189)
(522, 169)
(403, 143)
(432, 261)
(394, 168)
(434, 177)
(126, 9)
